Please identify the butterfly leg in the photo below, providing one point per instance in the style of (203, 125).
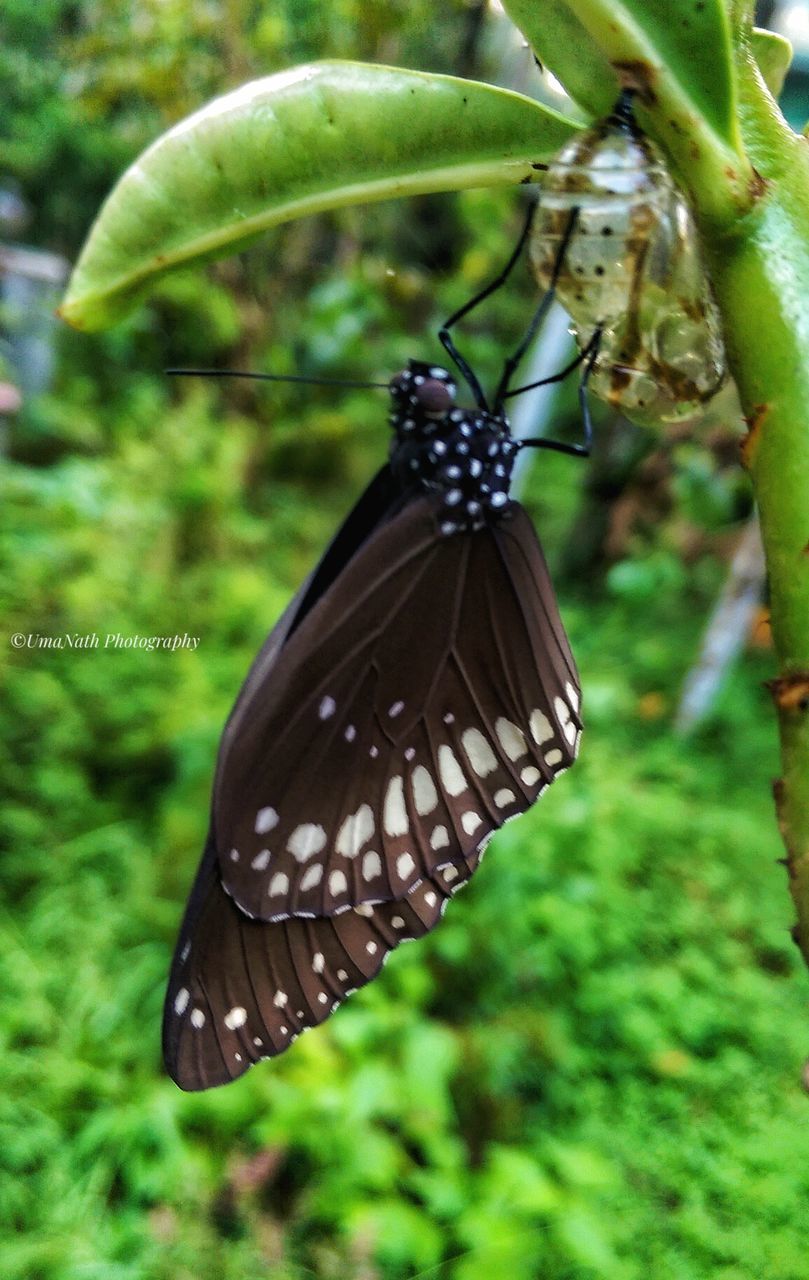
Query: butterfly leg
(587, 357)
(444, 335)
(539, 315)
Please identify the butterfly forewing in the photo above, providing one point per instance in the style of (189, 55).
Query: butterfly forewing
(419, 704)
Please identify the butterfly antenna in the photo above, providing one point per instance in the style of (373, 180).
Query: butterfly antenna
(444, 335)
(539, 315)
(272, 377)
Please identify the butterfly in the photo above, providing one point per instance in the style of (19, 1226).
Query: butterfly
(418, 692)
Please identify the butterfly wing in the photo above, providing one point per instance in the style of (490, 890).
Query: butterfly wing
(242, 990)
(427, 697)
(464, 633)
(381, 497)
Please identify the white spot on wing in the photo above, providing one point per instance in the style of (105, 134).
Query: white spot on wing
(541, 728)
(371, 948)
(398, 922)
(278, 885)
(504, 797)
(395, 813)
(553, 757)
(280, 999)
(337, 883)
(234, 855)
(350, 733)
(306, 840)
(181, 1000)
(480, 754)
(197, 1018)
(322, 997)
(430, 898)
(364, 909)
(452, 775)
(573, 695)
(425, 796)
(318, 962)
(312, 876)
(266, 819)
(450, 873)
(355, 831)
(327, 708)
(371, 865)
(235, 1017)
(342, 976)
(405, 865)
(512, 739)
(563, 714)
(440, 838)
(470, 821)
(261, 860)
(530, 776)
(396, 709)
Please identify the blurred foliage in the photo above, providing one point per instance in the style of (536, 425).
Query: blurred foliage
(591, 1070)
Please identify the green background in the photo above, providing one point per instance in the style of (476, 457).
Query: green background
(592, 1070)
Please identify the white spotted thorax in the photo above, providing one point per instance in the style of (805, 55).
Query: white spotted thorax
(631, 266)
(466, 455)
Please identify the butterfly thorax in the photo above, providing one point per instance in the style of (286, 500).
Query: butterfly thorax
(465, 455)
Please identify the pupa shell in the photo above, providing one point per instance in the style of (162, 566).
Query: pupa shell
(632, 267)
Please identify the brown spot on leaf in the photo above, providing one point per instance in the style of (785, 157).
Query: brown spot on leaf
(760, 630)
(757, 186)
(790, 693)
(640, 76)
(754, 422)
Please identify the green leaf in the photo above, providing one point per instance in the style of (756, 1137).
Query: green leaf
(313, 138)
(773, 53)
(567, 49)
(678, 57)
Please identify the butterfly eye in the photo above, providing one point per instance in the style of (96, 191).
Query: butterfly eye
(434, 397)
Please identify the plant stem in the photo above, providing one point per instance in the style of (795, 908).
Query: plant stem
(760, 271)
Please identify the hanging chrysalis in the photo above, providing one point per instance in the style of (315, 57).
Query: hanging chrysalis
(631, 267)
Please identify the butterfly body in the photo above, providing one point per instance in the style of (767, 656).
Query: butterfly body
(417, 693)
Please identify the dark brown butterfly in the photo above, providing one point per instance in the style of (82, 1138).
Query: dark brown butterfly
(418, 693)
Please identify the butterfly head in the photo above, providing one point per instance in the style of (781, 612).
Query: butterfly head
(465, 455)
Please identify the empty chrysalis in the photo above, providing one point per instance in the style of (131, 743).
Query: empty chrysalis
(631, 268)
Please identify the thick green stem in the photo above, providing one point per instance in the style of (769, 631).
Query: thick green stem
(760, 269)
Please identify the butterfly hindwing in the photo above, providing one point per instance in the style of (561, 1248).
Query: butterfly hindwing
(241, 990)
